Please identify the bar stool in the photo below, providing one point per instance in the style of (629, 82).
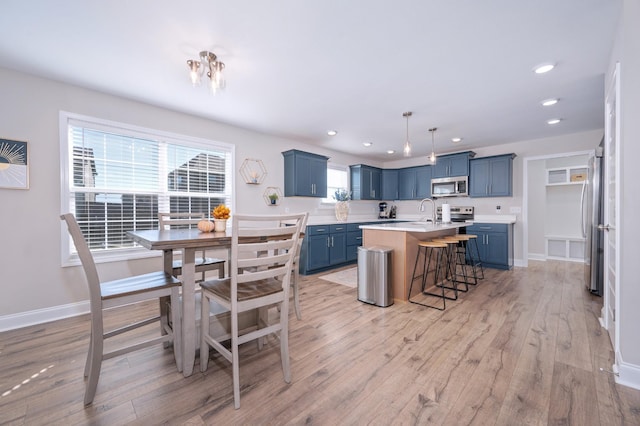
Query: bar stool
(428, 249)
(472, 255)
(452, 252)
(461, 261)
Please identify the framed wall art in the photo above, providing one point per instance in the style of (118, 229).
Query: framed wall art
(14, 164)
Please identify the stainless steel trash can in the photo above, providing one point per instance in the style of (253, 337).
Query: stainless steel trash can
(374, 276)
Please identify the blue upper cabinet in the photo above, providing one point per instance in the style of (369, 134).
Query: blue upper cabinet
(366, 182)
(305, 174)
(414, 183)
(491, 176)
(452, 165)
(389, 184)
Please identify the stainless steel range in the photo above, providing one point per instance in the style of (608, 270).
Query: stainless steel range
(458, 213)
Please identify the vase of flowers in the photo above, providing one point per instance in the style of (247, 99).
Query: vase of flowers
(342, 197)
(220, 216)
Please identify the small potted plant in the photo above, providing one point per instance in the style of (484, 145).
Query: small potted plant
(220, 216)
(342, 197)
(273, 197)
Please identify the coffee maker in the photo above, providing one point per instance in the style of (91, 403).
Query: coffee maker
(383, 213)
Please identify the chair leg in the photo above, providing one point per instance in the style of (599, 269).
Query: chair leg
(263, 318)
(176, 323)
(87, 364)
(284, 343)
(296, 296)
(235, 361)
(204, 331)
(164, 318)
(95, 364)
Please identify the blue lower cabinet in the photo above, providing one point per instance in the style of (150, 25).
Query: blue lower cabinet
(495, 244)
(330, 246)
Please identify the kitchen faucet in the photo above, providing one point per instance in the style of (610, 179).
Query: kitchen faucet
(433, 209)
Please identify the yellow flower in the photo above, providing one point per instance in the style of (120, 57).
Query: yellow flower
(221, 212)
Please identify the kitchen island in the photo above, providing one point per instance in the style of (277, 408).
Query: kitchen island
(403, 238)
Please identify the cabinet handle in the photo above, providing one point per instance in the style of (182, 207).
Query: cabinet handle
(328, 245)
(358, 238)
(485, 227)
(331, 241)
(486, 189)
(339, 229)
(321, 229)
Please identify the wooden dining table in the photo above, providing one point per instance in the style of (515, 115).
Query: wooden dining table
(187, 241)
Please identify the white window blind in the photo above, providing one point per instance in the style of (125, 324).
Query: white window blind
(120, 177)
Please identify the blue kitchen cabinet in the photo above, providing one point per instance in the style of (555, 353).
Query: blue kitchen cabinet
(354, 240)
(495, 244)
(414, 183)
(407, 183)
(365, 182)
(389, 184)
(305, 174)
(423, 182)
(452, 165)
(323, 246)
(491, 176)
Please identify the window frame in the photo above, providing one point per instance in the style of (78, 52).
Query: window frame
(330, 201)
(66, 177)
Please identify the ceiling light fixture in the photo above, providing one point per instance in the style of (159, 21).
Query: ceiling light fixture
(210, 64)
(391, 151)
(432, 157)
(407, 145)
(367, 143)
(543, 68)
(549, 102)
(554, 121)
(332, 132)
(456, 140)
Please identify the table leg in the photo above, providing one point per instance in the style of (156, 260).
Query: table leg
(188, 311)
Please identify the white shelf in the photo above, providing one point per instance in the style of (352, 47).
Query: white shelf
(575, 175)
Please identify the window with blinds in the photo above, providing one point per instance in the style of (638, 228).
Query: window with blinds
(119, 177)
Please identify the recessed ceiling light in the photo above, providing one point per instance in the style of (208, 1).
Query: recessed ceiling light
(543, 68)
(367, 143)
(553, 121)
(391, 151)
(456, 140)
(549, 102)
(332, 132)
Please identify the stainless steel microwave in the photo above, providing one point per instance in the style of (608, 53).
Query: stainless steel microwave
(450, 187)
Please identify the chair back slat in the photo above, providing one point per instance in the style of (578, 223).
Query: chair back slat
(182, 220)
(271, 257)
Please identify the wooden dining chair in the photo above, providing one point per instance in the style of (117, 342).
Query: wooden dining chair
(260, 278)
(112, 294)
(190, 220)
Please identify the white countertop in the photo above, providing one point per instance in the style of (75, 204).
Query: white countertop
(495, 218)
(414, 226)
(328, 220)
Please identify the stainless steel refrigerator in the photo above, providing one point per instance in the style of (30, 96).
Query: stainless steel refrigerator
(592, 213)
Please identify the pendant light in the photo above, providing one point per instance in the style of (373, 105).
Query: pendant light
(432, 157)
(407, 145)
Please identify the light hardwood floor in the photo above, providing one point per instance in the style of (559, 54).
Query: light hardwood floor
(523, 347)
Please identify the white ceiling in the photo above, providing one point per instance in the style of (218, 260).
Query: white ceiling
(297, 68)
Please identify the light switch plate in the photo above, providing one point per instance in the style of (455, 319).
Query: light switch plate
(515, 210)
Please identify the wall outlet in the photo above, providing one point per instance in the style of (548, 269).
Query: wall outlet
(515, 210)
(498, 209)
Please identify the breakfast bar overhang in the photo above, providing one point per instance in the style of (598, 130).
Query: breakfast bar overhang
(403, 238)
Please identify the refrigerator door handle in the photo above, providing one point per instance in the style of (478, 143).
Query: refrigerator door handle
(582, 206)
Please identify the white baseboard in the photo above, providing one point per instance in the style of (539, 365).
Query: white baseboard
(537, 256)
(39, 316)
(519, 263)
(628, 375)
